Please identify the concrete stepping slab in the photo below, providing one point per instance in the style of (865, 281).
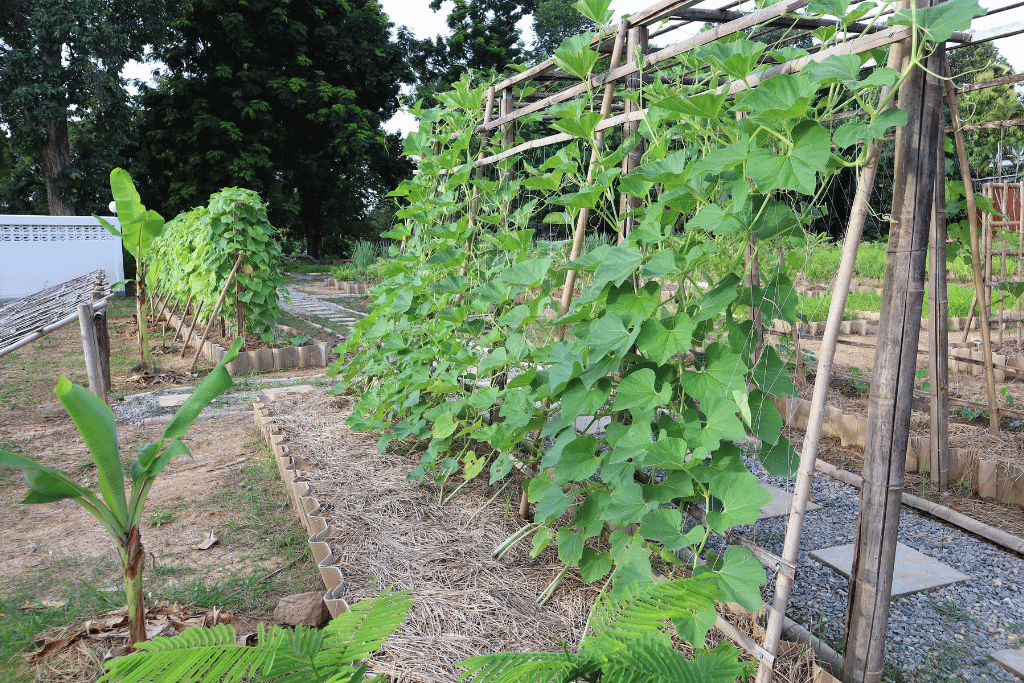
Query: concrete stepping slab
(173, 400)
(1011, 660)
(780, 503)
(278, 392)
(914, 572)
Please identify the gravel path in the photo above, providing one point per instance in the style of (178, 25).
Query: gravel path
(940, 635)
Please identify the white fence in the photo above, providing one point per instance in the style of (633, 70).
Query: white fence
(37, 252)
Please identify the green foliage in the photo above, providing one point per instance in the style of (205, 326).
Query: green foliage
(119, 514)
(367, 253)
(334, 654)
(139, 227)
(198, 249)
(60, 60)
(629, 643)
(553, 22)
(483, 36)
(461, 345)
(283, 97)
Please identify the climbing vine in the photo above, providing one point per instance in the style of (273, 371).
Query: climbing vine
(465, 345)
(192, 258)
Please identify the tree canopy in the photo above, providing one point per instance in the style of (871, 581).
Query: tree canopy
(59, 61)
(483, 36)
(553, 22)
(282, 97)
(988, 148)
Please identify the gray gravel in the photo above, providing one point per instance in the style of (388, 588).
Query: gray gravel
(135, 408)
(939, 635)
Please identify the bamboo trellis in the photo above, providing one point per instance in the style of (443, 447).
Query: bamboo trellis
(922, 212)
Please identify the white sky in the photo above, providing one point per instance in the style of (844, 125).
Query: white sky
(425, 23)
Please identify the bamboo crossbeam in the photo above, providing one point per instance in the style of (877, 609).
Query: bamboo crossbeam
(992, 83)
(718, 15)
(988, 125)
(966, 38)
(749, 21)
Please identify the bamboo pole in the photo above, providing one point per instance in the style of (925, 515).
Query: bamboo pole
(1020, 250)
(892, 386)
(805, 473)
(938, 333)
(795, 334)
(185, 339)
(972, 219)
(636, 48)
(1002, 266)
(90, 346)
(581, 222)
(216, 309)
(184, 312)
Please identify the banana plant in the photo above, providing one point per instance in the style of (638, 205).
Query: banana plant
(120, 514)
(139, 227)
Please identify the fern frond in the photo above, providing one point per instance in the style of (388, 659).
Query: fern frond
(519, 667)
(229, 664)
(358, 633)
(644, 610)
(654, 660)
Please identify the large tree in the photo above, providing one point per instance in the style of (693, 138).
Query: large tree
(484, 36)
(61, 60)
(553, 22)
(283, 97)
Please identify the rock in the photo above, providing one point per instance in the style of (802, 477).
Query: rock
(305, 609)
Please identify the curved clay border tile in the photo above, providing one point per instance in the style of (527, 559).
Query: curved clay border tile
(307, 507)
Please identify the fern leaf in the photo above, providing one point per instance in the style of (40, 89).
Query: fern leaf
(653, 660)
(645, 609)
(358, 633)
(520, 667)
(229, 664)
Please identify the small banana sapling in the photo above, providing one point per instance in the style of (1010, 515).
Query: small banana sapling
(120, 514)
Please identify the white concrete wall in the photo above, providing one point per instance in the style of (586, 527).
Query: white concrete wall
(37, 252)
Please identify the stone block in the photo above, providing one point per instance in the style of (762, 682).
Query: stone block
(262, 360)
(977, 370)
(854, 431)
(987, 479)
(846, 327)
(305, 609)
(832, 424)
(278, 392)
(859, 327)
(999, 359)
(310, 356)
(780, 503)
(241, 364)
(286, 357)
(173, 400)
(1010, 660)
(914, 571)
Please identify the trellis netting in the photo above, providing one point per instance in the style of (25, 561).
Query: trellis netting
(623, 398)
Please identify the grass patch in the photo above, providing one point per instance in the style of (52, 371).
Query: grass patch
(82, 600)
(302, 324)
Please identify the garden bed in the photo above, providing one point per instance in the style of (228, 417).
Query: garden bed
(310, 355)
(371, 529)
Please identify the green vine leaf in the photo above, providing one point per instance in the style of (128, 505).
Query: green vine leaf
(797, 168)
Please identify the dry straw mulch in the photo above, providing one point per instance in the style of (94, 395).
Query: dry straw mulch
(388, 532)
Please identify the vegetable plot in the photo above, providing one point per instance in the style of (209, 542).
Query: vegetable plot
(476, 340)
(195, 256)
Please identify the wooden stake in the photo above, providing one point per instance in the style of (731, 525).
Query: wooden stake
(474, 204)
(191, 328)
(938, 333)
(216, 309)
(1020, 249)
(184, 312)
(809, 455)
(972, 220)
(99, 323)
(93, 363)
(893, 375)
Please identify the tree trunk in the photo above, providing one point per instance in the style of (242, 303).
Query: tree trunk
(56, 154)
(313, 223)
(133, 560)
